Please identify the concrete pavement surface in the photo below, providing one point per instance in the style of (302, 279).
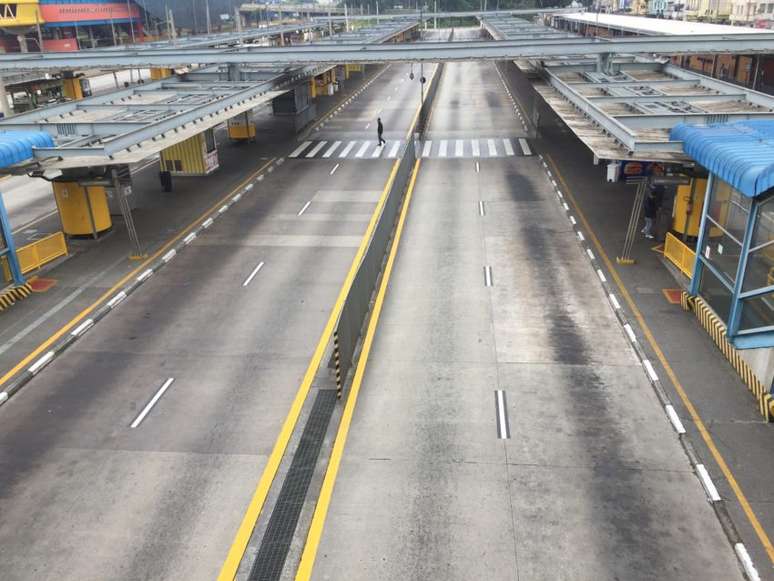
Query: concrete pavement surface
(588, 481)
(134, 455)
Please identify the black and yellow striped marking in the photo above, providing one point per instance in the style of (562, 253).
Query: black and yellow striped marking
(337, 363)
(717, 330)
(12, 295)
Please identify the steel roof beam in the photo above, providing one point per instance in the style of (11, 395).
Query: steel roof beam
(415, 52)
(669, 120)
(604, 99)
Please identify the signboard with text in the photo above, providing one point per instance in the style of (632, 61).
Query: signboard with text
(88, 12)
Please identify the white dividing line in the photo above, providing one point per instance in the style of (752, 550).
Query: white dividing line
(707, 483)
(630, 332)
(503, 429)
(138, 420)
(394, 150)
(223, 208)
(113, 303)
(426, 149)
(601, 275)
(614, 302)
(41, 363)
(302, 210)
(207, 223)
(487, 276)
(481, 209)
(378, 151)
(676, 423)
(442, 148)
(458, 148)
(741, 553)
(333, 171)
(367, 125)
(590, 253)
(650, 369)
(171, 254)
(145, 275)
(478, 168)
(389, 97)
(331, 149)
(362, 150)
(82, 328)
(492, 149)
(300, 148)
(524, 146)
(565, 206)
(255, 271)
(572, 219)
(508, 147)
(347, 149)
(580, 236)
(316, 149)
(476, 149)
(3, 397)
(190, 238)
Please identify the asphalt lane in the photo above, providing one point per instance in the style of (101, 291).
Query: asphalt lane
(589, 482)
(87, 496)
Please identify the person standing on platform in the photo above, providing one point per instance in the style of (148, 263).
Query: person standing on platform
(650, 208)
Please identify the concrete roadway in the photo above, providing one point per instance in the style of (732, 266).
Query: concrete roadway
(592, 483)
(87, 496)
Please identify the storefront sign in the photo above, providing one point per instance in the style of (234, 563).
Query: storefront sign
(83, 13)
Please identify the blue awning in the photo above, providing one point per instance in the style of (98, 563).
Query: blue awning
(16, 146)
(740, 153)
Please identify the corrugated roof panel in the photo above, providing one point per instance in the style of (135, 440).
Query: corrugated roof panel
(16, 146)
(741, 153)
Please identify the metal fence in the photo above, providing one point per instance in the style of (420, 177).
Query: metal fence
(358, 302)
(36, 254)
(357, 305)
(681, 255)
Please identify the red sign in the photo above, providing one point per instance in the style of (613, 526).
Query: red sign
(86, 12)
(60, 44)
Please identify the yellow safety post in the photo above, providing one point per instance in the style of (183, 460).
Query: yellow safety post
(83, 210)
(196, 156)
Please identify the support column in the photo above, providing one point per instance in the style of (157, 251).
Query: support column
(71, 86)
(5, 108)
(83, 210)
(8, 247)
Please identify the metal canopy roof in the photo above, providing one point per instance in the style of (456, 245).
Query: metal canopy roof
(624, 108)
(742, 154)
(643, 25)
(408, 52)
(129, 125)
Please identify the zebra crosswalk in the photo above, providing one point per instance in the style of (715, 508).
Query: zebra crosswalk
(438, 148)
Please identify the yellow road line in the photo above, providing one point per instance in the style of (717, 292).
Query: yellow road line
(321, 510)
(74, 321)
(254, 508)
(759, 530)
(239, 545)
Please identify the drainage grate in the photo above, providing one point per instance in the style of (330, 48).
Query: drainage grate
(284, 518)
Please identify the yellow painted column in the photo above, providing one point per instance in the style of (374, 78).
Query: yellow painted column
(689, 201)
(71, 88)
(83, 210)
(158, 73)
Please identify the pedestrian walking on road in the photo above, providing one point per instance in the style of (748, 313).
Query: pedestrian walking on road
(650, 207)
(380, 130)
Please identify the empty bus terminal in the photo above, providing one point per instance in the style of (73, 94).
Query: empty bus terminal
(313, 291)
